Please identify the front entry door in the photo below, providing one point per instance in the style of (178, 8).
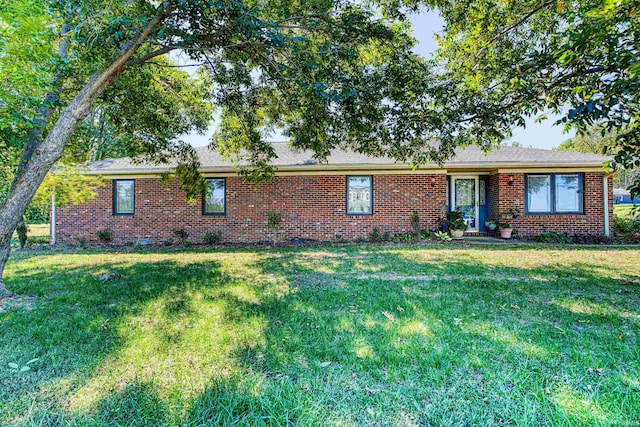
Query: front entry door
(464, 198)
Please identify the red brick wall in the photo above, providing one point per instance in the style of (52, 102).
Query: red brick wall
(311, 207)
(591, 222)
(494, 197)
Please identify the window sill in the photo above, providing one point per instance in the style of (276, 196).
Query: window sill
(554, 213)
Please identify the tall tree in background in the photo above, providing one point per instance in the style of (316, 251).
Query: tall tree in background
(592, 141)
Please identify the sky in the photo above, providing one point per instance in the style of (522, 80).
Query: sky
(425, 26)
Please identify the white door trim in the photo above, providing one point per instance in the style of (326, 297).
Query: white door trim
(477, 194)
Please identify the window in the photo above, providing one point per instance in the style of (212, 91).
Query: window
(554, 194)
(124, 197)
(214, 200)
(539, 193)
(568, 194)
(359, 195)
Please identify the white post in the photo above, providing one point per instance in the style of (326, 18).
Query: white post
(52, 227)
(605, 191)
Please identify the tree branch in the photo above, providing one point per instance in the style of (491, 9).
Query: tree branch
(301, 17)
(526, 96)
(206, 49)
(516, 24)
(148, 56)
(175, 66)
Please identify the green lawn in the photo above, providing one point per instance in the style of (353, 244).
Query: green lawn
(622, 210)
(378, 335)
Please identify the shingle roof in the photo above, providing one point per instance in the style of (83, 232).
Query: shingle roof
(289, 159)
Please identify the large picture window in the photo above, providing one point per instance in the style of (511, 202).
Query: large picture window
(359, 195)
(554, 194)
(214, 200)
(124, 197)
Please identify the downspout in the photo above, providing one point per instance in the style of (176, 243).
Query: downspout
(605, 199)
(52, 228)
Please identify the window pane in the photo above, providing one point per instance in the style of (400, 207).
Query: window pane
(567, 193)
(214, 197)
(124, 197)
(539, 193)
(359, 195)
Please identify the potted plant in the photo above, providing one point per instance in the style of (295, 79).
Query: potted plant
(505, 230)
(456, 224)
(490, 224)
(505, 225)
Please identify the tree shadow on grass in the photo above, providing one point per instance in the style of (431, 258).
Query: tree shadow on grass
(381, 348)
(328, 337)
(81, 319)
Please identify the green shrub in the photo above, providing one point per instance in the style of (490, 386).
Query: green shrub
(426, 235)
(212, 237)
(105, 236)
(274, 219)
(21, 230)
(552, 237)
(181, 234)
(628, 223)
(403, 237)
(37, 240)
(377, 235)
(442, 235)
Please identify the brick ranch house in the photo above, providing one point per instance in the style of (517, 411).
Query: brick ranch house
(347, 197)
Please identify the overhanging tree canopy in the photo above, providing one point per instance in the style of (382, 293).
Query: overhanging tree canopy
(578, 58)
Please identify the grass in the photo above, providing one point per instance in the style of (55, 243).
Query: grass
(38, 230)
(374, 335)
(623, 210)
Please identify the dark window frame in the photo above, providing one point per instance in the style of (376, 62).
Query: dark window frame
(552, 184)
(371, 201)
(115, 197)
(224, 203)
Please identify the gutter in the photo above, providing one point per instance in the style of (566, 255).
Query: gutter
(355, 167)
(605, 203)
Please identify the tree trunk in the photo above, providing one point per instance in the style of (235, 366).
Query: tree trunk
(4, 255)
(40, 162)
(45, 154)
